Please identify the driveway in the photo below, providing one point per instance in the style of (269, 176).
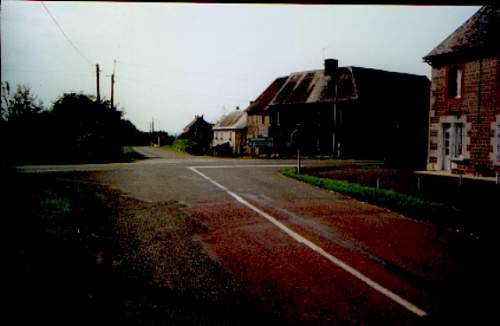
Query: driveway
(314, 256)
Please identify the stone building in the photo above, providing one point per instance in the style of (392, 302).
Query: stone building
(352, 112)
(230, 131)
(200, 132)
(464, 122)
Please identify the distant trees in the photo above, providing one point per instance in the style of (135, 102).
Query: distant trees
(76, 129)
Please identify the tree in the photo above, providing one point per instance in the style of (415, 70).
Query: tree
(21, 105)
(90, 129)
(20, 124)
(78, 128)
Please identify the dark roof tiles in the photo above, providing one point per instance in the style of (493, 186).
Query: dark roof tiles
(478, 35)
(234, 120)
(267, 96)
(316, 87)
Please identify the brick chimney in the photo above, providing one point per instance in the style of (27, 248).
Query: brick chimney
(331, 66)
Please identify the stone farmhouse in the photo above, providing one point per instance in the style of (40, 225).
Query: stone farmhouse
(464, 123)
(230, 131)
(351, 112)
(199, 131)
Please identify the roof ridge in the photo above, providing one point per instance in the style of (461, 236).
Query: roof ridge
(387, 71)
(478, 32)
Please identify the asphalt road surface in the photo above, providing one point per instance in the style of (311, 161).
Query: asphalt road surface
(316, 256)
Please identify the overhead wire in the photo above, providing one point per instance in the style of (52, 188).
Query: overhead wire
(65, 35)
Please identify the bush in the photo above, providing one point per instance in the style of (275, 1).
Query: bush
(224, 149)
(186, 145)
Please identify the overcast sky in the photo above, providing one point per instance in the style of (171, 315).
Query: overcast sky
(178, 60)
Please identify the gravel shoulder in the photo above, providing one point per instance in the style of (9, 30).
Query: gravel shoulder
(86, 254)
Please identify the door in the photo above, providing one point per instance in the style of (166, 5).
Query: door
(446, 146)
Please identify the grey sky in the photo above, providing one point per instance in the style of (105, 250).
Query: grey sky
(178, 60)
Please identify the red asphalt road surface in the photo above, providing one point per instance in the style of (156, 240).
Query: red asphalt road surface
(416, 260)
(405, 256)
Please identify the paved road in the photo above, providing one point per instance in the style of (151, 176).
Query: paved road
(316, 256)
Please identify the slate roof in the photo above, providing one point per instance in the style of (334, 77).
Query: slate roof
(263, 100)
(305, 87)
(315, 87)
(198, 119)
(234, 120)
(371, 83)
(478, 35)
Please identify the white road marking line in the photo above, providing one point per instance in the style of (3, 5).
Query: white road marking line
(339, 263)
(244, 166)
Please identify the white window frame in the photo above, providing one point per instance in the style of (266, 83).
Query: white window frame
(455, 140)
(457, 81)
(452, 120)
(496, 141)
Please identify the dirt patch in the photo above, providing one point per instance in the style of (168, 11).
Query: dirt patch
(395, 179)
(470, 202)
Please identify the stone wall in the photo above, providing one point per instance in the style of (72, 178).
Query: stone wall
(478, 108)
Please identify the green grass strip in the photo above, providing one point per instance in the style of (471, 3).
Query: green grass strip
(404, 203)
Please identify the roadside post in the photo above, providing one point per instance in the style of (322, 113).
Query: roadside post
(295, 139)
(298, 160)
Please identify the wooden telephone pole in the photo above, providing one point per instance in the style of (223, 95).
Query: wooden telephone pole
(113, 85)
(97, 83)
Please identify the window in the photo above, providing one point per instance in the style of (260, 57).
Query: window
(455, 82)
(263, 119)
(278, 118)
(458, 139)
(498, 139)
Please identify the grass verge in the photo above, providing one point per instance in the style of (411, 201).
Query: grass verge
(407, 204)
(129, 155)
(173, 149)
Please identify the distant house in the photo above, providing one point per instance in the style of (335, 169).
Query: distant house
(199, 131)
(351, 112)
(464, 124)
(231, 130)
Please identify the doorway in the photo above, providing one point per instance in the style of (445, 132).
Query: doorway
(446, 165)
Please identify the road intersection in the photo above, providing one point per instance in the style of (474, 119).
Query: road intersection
(315, 255)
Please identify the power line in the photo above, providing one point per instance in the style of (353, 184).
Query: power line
(65, 35)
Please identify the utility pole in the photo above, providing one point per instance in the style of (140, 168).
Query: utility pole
(334, 140)
(152, 132)
(113, 85)
(113, 90)
(97, 83)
